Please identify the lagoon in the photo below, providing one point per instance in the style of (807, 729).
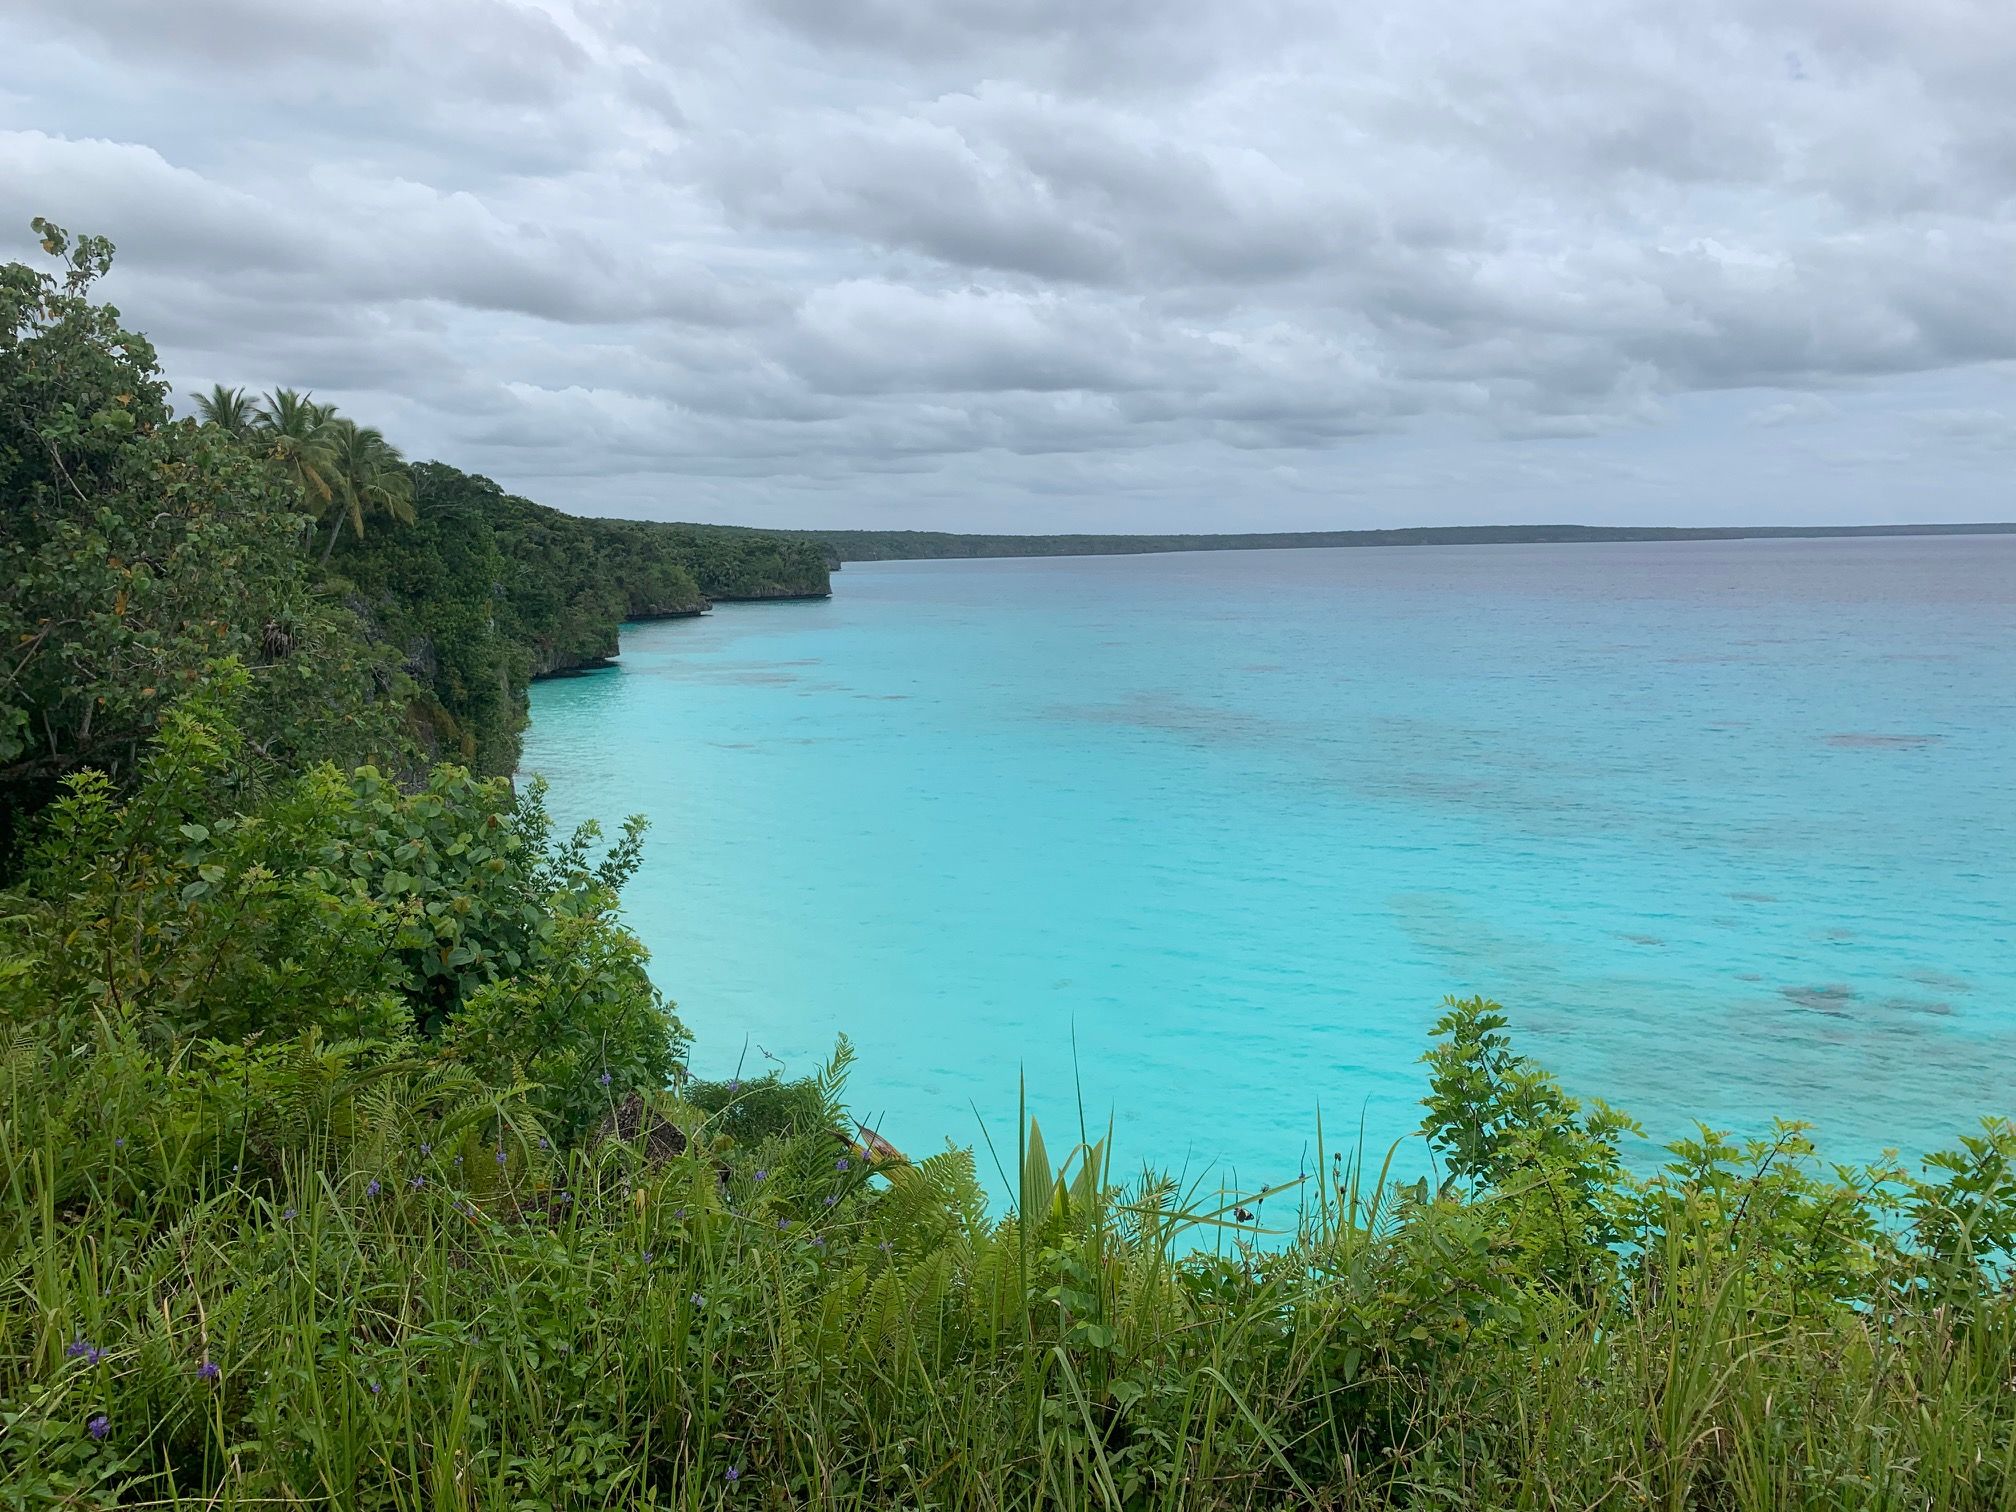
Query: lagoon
(1201, 841)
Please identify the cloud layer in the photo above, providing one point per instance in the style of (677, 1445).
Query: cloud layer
(1028, 264)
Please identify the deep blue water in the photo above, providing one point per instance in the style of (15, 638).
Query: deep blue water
(1726, 826)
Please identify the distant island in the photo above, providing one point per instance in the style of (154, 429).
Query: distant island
(931, 545)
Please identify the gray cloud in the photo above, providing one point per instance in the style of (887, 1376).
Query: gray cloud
(1031, 264)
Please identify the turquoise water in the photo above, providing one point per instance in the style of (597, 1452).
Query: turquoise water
(1206, 838)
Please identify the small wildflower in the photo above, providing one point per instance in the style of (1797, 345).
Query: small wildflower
(376, 1388)
(119, 1143)
(99, 1426)
(733, 1475)
(831, 1200)
(426, 1148)
(649, 1256)
(604, 1078)
(371, 1187)
(840, 1164)
(542, 1141)
(288, 1216)
(679, 1213)
(417, 1182)
(458, 1160)
(208, 1371)
(735, 1085)
(500, 1157)
(782, 1224)
(698, 1300)
(818, 1241)
(762, 1175)
(78, 1347)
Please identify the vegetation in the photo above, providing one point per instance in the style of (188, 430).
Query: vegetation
(348, 1156)
(906, 545)
(136, 552)
(382, 612)
(488, 591)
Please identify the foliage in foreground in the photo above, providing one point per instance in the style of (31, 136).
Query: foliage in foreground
(309, 1199)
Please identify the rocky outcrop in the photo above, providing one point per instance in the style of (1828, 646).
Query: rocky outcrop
(636, 1123)
(772, 593)
(597, 649)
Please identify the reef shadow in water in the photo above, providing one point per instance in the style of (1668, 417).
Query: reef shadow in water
(1863, 740)
(1831, 998)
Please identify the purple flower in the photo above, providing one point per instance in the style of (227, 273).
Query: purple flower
(733, 1475)
(376, 1388)
(417, 1182)
(649, 1256)
(679, 1213)
(830, 1200)
(119, 1143)
(604, 1078)
(698, 1300)
(840, 1164)
(371, 1187)
(99, 1426)
(762, 1175)
(542, 1141)
(288, 1216)
(425, 1148)
(78, 1347)
(783, 1224)
(208, 1371)
(735, 1085)
(500, 1157)
(818, 1241)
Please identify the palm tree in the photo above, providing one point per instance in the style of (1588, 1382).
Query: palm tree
(231, 408)
(300, 435)
(369, 477)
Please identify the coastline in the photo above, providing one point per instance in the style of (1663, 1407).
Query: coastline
(601, 661)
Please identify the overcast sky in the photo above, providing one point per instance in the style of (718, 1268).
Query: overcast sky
(1076, 264)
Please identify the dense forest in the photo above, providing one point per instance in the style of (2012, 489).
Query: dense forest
(907, 545)
(484, 591)
(349, 1157)
(382, 610)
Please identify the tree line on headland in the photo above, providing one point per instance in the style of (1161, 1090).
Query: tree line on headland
(384, 610)
(349, 1156)
(840, 546)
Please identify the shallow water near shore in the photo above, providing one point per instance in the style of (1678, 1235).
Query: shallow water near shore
(1206, 838)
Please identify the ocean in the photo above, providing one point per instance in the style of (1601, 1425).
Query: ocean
(1197, 844)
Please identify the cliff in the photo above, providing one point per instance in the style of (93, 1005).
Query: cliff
(488, 591)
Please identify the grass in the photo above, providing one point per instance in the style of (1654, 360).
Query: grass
(399, 1318)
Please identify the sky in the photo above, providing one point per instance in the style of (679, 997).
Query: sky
(1044, 265)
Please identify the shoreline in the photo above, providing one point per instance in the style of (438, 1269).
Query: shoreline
(844, 546)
